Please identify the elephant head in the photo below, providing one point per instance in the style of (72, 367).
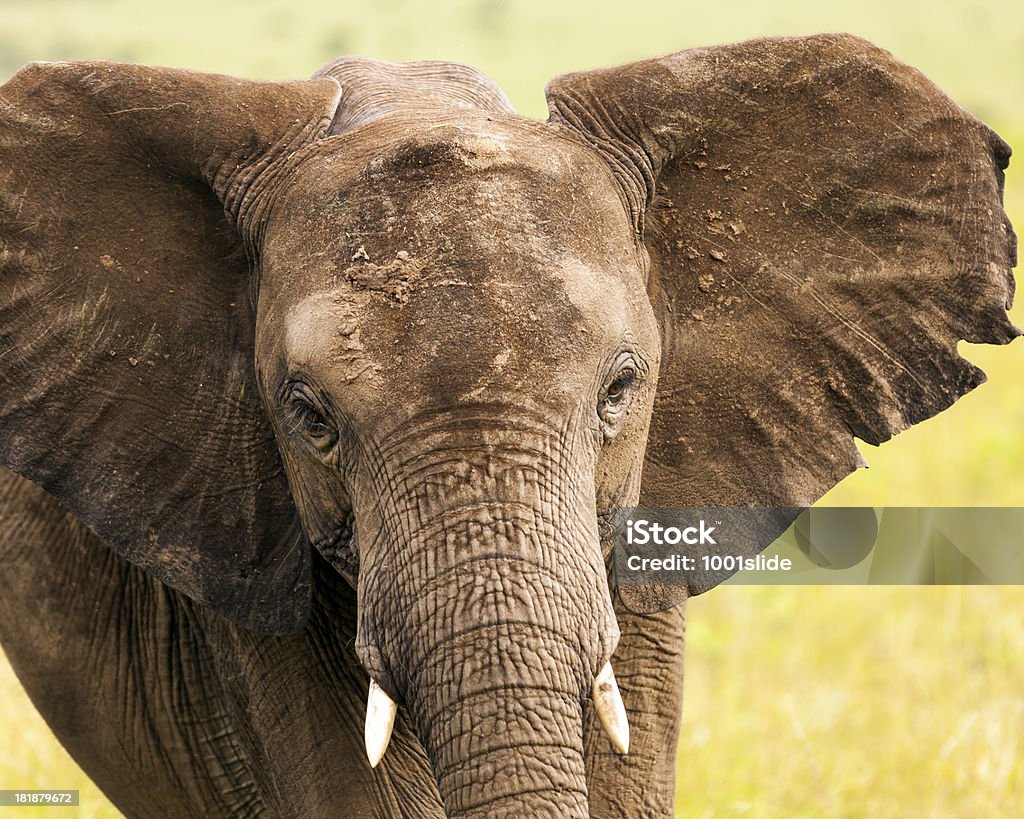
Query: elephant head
(378, 315)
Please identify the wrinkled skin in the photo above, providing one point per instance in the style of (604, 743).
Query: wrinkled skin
(348, 390)
(485, 544)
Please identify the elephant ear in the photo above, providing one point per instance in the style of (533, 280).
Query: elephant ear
(127, 385)
(823, 225)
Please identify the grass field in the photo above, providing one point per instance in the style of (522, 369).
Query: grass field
(800, 702)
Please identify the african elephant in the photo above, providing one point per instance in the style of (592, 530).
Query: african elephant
(317, 398)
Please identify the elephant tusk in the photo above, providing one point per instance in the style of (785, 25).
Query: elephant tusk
(610, 709)
(380, 721)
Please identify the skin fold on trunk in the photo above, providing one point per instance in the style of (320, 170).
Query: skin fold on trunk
(484, 606)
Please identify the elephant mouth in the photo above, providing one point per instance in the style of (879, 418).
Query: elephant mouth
(339, 550)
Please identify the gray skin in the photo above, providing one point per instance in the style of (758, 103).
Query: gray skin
(300, 391)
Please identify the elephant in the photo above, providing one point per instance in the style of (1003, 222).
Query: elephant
(318, 398)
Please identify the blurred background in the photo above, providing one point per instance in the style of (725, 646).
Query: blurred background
(800, 702)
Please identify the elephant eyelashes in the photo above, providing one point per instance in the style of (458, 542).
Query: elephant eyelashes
(305, 419)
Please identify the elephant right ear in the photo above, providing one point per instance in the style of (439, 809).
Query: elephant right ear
(824, 225)
(127, 385)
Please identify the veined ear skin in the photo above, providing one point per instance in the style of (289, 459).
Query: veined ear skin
(127, 322)
(829, 226)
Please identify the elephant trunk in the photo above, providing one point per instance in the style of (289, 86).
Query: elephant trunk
(501, 719)
(491, 618)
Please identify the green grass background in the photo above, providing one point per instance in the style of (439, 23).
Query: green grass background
(807, 701)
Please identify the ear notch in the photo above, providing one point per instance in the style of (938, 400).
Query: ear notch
(372, 88)
(126, 333)
(827, 226)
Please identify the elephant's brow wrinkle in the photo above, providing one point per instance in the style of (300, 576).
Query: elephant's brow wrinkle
(494, 458)
(430, 421)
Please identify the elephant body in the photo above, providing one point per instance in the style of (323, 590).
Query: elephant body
(175, 711)
(318, 400)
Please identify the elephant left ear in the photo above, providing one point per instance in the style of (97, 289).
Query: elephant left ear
(824, 225)
(127, 384)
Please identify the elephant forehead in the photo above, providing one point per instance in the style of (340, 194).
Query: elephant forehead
(486, 187)
(322, 329)
(418, 145)
(448, 260)
(420, 330)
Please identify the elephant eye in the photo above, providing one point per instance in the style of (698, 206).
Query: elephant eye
(617, 389)
(613, 399)
(306, 419)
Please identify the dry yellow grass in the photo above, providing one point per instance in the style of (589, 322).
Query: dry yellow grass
(31, 758)
(854, 702)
